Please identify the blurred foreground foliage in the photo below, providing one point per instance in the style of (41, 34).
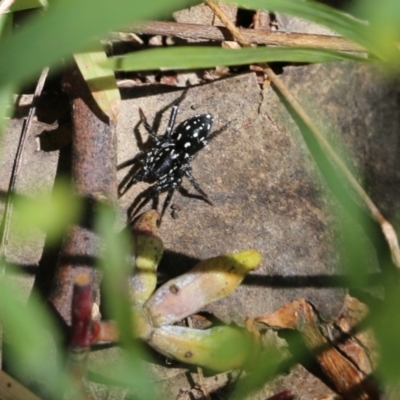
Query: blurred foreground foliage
(66, 27)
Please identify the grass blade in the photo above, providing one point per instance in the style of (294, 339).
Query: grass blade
(206, 57)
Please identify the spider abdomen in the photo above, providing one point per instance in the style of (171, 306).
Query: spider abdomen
(191, 135)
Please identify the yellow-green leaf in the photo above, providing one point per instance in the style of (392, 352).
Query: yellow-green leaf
(220, 348)
(148, 250)
(101, 82)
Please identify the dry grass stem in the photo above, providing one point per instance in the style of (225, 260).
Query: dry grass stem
(5, 223)
(255, 36)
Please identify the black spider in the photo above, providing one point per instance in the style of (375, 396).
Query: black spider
(168, 161)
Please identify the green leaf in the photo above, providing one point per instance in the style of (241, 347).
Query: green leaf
(67, 27)
(5, 105)
(33, 338)
(6, 21)
(101, 81)
(116, 269)
(206, 57)
(384, 18)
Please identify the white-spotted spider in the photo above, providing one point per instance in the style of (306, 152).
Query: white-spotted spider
(168, 161)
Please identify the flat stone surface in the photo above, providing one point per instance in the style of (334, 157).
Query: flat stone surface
(266, 193)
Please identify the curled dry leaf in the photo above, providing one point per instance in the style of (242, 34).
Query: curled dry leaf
(347, 358)
(361, 346)
(208, 281)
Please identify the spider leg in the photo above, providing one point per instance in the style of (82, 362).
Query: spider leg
(149, 129)
(151, 193)
(136, 173)
(171, 122)
(169, 184)
(188, 172)
(174, 113)
(126, 183)
(167, 201)
(140, 201)
(138, 158)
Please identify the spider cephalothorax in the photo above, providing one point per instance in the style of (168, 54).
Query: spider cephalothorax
(168, 161)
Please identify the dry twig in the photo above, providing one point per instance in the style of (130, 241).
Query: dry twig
(256, 36)
(81, 333)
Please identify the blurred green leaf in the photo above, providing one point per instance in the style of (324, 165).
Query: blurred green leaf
(67, 27)
(205, 57)
(384, 18)
(6, 21)
(51, 214)
(116, 269)
(385, 321)
(33, 337)
(5, 105)
(101, 81)
(6, 91)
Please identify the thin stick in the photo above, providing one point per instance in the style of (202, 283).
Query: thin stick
(81, 336)
(5, 223)
(386, 227)
(81, 314)
(256, 36)
(227, 22)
